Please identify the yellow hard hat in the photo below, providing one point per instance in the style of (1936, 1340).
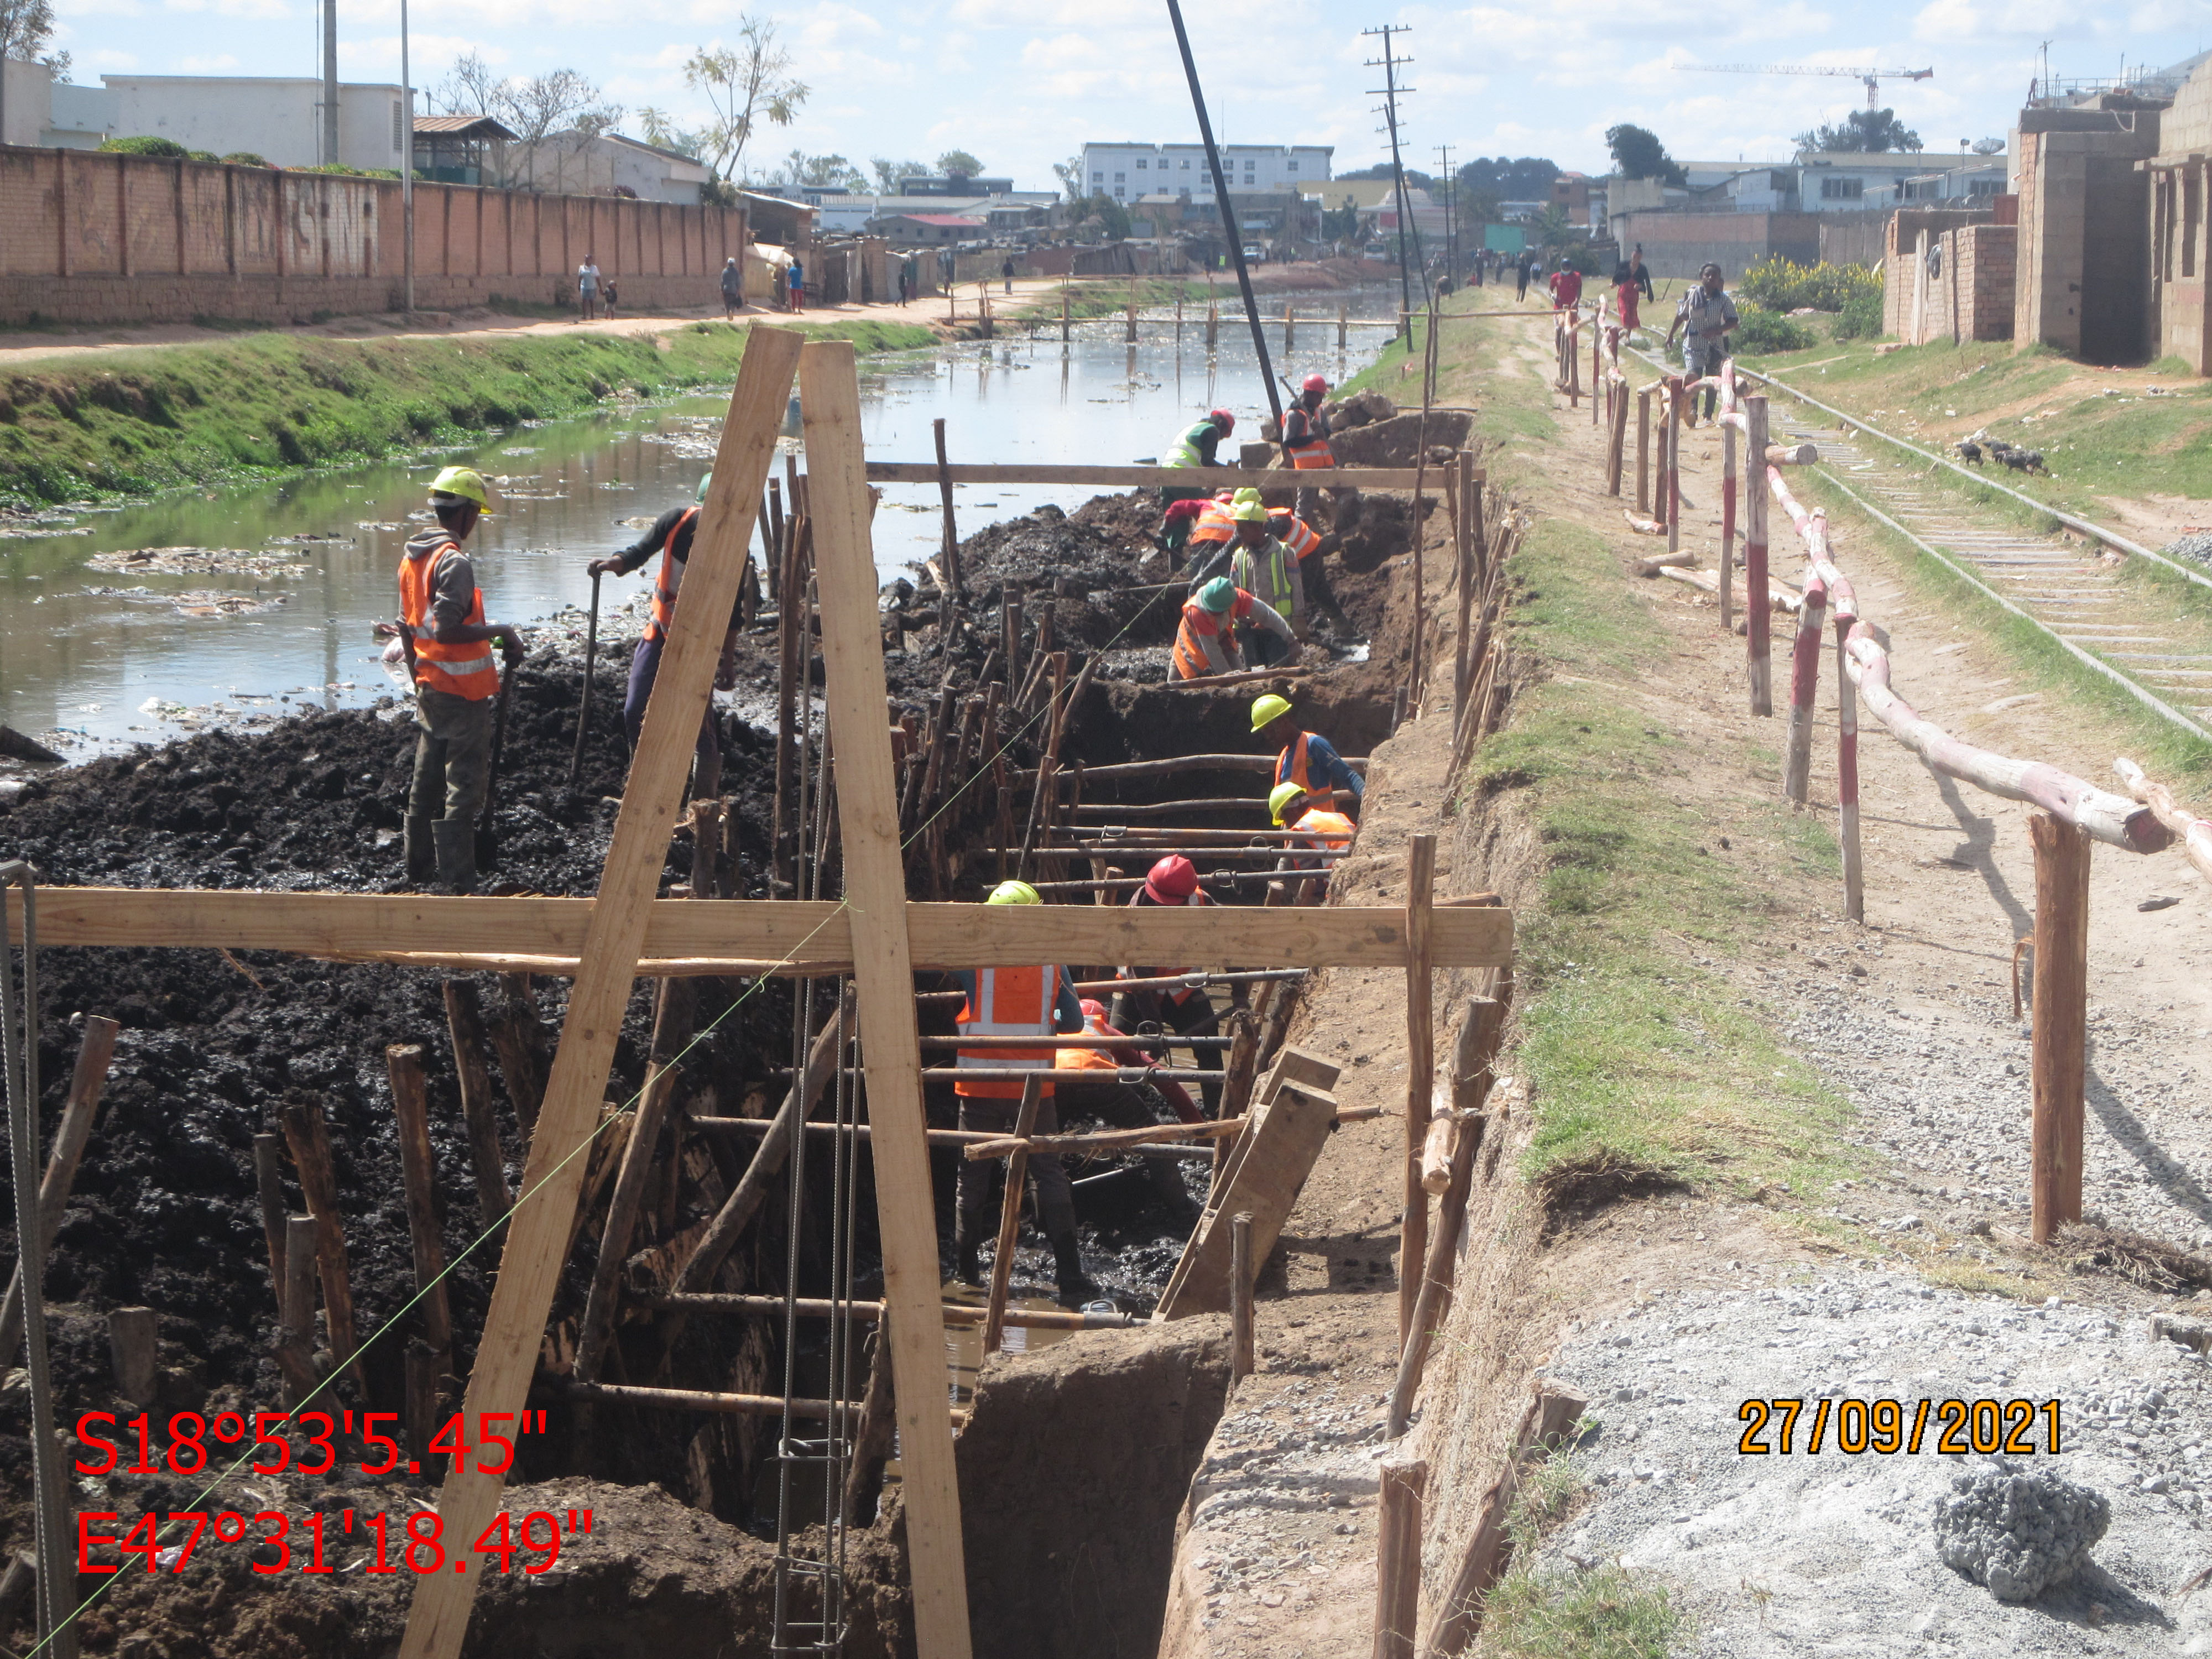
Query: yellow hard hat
(1282, 795)
(461, 483)
(1267, 709)
(1248, 494)
(1252, 512)
(1016, 893)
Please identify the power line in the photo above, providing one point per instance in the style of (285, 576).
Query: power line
(1389, 91)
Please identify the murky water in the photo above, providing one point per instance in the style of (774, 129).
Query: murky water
(96, 658)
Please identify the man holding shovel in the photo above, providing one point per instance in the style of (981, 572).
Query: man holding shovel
(447, 642)
(671, 536)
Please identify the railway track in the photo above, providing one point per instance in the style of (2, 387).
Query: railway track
(2066, 590)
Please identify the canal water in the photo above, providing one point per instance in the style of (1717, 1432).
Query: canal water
(100, 649)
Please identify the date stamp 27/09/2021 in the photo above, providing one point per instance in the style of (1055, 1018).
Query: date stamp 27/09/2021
(1885, 1427)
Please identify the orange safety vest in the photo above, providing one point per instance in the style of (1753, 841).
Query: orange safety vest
(666, 580)
(1293, 532)
(464, 671)
(1089, 1059)
(1291, 765)
(1325, 830)
(1199, 623)
(1014, 1002)
(1214, 524)
(1315, 453)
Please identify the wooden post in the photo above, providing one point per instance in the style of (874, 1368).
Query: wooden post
(952, 531)
(418, 1170)
(519, 1036)
(296, 1355)
(269, 1188)
(422, 1365)
(1674, 445)
(1290, 328)
(875, 891)
(538, 1231)
(1806, 652)
(1010, 631)
(1757, 612)
(1643, 453)
(1597, 365)
(1464, 580)
(134, 1350)
(464, 1024)
(1398, 1558)
(1618, 442)
(1421, 1074)
(1343, 323)
(1242, 1361)
(1009, 1216)
(1728, 528)
(1847, 776)
(772, 560)
(1212, 325)
(71, 1135)
(1065, 323)
(309, 1138)
(1551, 1414)
(2060, 1012)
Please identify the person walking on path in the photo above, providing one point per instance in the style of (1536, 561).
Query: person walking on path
(733, 289)
(447, 642)
(587, 289)
(1709, 316)
(1520, 280)
(609, 293)
(1625, 295)
(1639, 272)
(797, 280)
(671, 535)
(906, 275)
(1006, 270)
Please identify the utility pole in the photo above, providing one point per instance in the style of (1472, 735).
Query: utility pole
(1230, 227)
(1451, 211)
(406, 171)
(1389, 91)
(331, 81)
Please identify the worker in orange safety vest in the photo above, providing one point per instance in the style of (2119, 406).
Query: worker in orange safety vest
(1205, 642)
(1185, 1010)
(1305, 758)
(1319, 830)
(1025, 1001)
(1305, 430)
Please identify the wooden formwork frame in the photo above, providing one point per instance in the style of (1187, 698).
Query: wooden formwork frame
(875, 933)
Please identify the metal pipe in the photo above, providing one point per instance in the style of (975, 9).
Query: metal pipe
(955, 1313)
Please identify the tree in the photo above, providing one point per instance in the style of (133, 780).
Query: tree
(27, 29)
(819, 173)
(1070, 174)
(1988, 146)
(746, 84)
(470, 88)
(1340, 224)
(561, 101)
(659, 130)
(1638, 154)
(958, 163)
(1526, 179)
(1113, 218)
(1864, 131)
(889, 174)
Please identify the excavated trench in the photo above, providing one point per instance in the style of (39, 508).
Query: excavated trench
(1077, 1456)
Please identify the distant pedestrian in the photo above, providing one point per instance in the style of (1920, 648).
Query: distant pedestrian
(1625, 295)
(733, 289)
(608, 296)
(1477, 270)
(796, 281)
(587, 289)
(1709, 315)
(1520, 279)
(909, 277)
(1642, 276)
(1006, 270)
(1566, 286)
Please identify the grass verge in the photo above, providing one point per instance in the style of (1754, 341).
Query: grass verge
(138, 422)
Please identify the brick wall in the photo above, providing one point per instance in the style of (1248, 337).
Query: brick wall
(1679, 244)
(93, 238)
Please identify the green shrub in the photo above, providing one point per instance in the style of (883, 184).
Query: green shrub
(246, 158)
(205, 155)
(145, 145)
(1764, 330)
(1780, 284)
(1862, 317)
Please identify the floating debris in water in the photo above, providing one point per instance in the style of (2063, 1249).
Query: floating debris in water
(196, 601)
(372, 524)
(307, 538)
(197, 562)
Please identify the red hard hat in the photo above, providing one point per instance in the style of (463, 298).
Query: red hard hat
(1315, 383)
(1172, 880)
(1223, 419)
(1092, 1010)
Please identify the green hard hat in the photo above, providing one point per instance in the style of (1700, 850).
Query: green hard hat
(1218, 594)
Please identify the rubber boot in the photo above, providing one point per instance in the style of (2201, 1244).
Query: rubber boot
(1075, 1287)
(457, 853)
(1166, 1176)
(422, 851)
(966, 1247)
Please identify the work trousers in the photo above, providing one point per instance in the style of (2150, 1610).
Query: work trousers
(1101, 1094)
(1182, 1017)
(1055, 1200)
(644, 668)
(452, 754)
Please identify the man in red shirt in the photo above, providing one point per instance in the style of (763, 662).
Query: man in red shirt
(1566, 288)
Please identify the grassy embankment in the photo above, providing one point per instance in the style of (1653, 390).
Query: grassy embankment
(166, 417)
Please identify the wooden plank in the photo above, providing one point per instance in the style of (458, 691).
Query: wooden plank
(1282, 1137)
(1551, 1412)
(1397, 1556)
(2058, 1058)
(1010, 1214)
(1145, 477)
(1420, 1076)
(745, 935)
(538, 1226)
(875, 900)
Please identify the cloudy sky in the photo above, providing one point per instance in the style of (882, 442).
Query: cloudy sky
(1021, 83)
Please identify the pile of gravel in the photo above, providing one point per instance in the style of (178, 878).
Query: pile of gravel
(2196, 545)
(2018, 1531)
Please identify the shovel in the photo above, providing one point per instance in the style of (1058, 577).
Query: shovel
(584, 707)
(488, 837)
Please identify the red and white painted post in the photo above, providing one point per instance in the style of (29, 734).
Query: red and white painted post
(1758, 669)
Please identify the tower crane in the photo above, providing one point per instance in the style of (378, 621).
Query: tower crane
(1873, 78)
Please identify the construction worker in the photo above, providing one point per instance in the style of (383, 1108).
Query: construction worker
(1089, 1082)
(1205, 642)
(442, 629)
(1025, 1002)
(1213, 527)
(1194, 447)
(1263, 567)
(1311, 548)
(1186, 1010)
(1305, 432)
(1304, 758)
(671, 536)
(1319, 830)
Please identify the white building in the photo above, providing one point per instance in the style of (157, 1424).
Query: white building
(278, 118)
(603, 164)
(1127, 171)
